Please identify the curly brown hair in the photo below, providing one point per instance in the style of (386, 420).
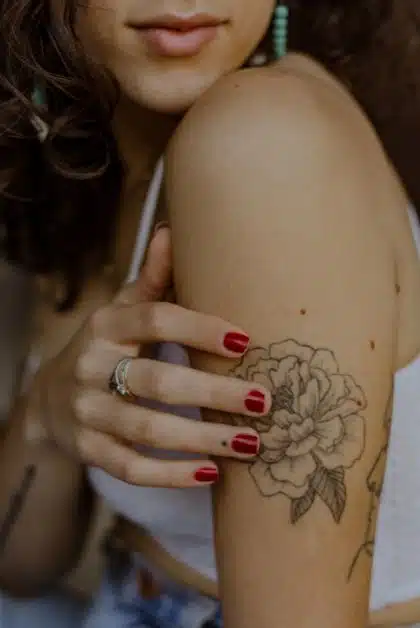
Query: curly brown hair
(60, 197)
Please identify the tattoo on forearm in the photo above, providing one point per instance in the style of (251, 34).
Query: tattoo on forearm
(16, 505)
(374, 482)
(315, 431)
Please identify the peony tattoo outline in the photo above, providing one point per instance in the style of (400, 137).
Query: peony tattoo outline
(315, 431)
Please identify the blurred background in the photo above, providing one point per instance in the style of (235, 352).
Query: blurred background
(15, 322)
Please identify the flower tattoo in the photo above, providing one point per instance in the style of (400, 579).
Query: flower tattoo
(315, 430)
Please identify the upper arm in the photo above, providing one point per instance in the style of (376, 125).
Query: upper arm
(273, 229)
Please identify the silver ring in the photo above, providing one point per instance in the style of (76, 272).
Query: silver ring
(118, 381)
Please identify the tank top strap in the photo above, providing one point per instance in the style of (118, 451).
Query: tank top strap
(415, 226)
(146, 222)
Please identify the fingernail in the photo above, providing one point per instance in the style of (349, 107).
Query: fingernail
(255, 402)
(160, 225)
(236, 342)
(206, 475)
(246, 444)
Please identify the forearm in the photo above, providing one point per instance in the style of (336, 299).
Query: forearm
(45, 508)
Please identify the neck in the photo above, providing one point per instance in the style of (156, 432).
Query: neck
(142, 136)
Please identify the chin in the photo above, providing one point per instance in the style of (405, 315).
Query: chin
(172, 92)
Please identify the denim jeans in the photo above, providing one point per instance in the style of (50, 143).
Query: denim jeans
(122, 601)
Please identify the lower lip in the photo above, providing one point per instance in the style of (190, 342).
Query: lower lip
(171, 43)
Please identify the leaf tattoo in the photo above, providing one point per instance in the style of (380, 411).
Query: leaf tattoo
(315, 431)
(300, 507)
(330, 487)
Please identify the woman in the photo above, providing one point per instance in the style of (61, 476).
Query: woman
(288, 219)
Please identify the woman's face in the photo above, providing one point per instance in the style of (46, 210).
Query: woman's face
(165, 53)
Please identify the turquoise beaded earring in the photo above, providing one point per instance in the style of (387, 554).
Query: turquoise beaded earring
(38, 96)
(39, 100)
(280, 30)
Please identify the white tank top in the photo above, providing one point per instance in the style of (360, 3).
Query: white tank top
(181, 519)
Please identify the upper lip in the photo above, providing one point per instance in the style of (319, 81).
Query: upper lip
(179, 22)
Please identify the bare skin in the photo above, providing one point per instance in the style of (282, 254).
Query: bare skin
(68, 542)
(64, 416)
(58, 429)
(265, 515)
(301, 512)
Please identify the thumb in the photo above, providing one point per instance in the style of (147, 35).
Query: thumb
(155, 276)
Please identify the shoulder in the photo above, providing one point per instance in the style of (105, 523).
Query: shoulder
(267, 135)
(278, 115)
(305, 132)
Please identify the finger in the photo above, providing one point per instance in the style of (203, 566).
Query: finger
(159, 430)
(177, 385)
(155, 276)
(103, 451)
(167, 322)
(180, 385)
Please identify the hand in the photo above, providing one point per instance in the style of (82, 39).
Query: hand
(81, 415)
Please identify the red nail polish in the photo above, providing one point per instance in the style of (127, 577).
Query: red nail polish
(255, 402)
(206, 475)
(246, 444)
(236, 342)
